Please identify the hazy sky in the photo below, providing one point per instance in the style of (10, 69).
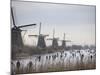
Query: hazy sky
(77, 21)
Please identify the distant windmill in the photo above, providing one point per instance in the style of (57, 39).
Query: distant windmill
(16, 38)
(41, 39)
(64, 42)
(54, 40)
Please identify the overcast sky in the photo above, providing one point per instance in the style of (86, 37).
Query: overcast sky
(77, 21)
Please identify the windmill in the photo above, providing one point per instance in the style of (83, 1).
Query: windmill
(41, 38)
(16, 38)
(54, 40)
(64, 42)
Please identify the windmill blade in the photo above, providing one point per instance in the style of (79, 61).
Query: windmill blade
(46, 35)
(26, 25)
(24, 33)
(40, 29)
(68, 40)
(56, 38)
(49, 39)
(13, 17)
(33, 35)
(53, 33)
(62, 40)
(64, 37)
(23, 30)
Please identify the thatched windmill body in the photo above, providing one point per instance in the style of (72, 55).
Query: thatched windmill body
(64, 41)
(41, 39)
(54, 40)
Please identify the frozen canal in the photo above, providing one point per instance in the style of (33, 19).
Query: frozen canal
(58, 61)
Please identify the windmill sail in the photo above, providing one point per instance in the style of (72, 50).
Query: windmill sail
(40, 29)
(26, 25)
(12, 16)
(54, 40)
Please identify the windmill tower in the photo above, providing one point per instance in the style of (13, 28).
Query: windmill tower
(16, 38)
(54, 40)
(41, 38)
(64, 41)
